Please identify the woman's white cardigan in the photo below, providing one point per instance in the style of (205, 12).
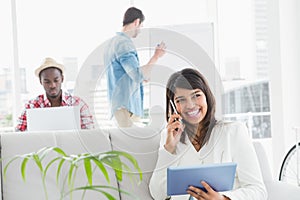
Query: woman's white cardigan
(229, 142)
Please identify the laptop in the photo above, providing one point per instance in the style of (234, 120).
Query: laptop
(219, 176)
(53, 118)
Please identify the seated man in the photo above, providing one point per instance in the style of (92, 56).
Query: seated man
(51, 77)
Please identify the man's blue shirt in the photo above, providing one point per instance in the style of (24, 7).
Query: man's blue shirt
(124, 76)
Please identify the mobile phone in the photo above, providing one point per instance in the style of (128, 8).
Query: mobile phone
(175, 111)
(173, 106)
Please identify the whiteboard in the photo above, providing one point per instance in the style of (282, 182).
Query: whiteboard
(188, 45)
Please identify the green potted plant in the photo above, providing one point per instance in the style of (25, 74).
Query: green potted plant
(91, 162)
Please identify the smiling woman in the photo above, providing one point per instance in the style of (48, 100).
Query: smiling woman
(191, 104)
(200, 139)
(194, 101)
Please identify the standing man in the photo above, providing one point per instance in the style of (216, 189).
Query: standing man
(50, 74)
(124, 75)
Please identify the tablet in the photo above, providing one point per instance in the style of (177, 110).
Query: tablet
(219, 176)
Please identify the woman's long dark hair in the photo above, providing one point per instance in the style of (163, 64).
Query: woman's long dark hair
(192, 79)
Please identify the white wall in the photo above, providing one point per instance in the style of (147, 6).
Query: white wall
(284, 75)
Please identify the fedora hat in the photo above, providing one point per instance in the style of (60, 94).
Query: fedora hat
(49, 62)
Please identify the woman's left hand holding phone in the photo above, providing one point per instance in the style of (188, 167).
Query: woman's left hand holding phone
(175, 129)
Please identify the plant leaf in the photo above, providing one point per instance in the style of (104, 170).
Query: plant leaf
(59, 169)
(44, 151)
(23, 167)
(93, 188)
(48, 165)
(108, 196)
(117, 165)
(59, 151)
(102, 168)
(99, 188)
(88, 170)
(38, 162)
(6, 166)
(132, 160)
(72, 166)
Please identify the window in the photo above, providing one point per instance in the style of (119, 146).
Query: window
(244, 64)
(70, 38)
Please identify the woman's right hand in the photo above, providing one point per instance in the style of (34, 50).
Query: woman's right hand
(175, 128)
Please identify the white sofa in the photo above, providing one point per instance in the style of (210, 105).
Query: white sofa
(276, 189)
(139, 142)
(72, 142)
(142, 143)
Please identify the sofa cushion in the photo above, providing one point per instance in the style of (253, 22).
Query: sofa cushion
(143, 144)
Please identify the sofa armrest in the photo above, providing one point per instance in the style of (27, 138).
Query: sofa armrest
(276, 189)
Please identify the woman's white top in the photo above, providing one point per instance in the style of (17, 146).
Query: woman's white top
(229, 142)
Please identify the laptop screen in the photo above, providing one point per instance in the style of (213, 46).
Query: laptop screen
(53, 118)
